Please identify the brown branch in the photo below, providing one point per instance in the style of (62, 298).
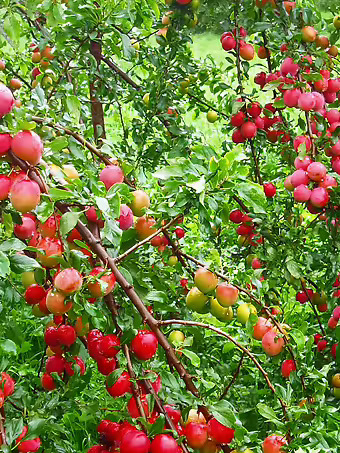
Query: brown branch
(121, 73)
(161, 409)
(135, 388)
(314, 309)
(15, 406)
(236, 343)
(256, 162)
(146, 240)
(97, 111)
(64, 71)
(233, 380)
(177, 253)
(240, 202)
(2, 426)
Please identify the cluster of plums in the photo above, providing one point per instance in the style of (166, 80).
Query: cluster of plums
(7, 388)
(229, 42)
(246, 229)
(199, 434)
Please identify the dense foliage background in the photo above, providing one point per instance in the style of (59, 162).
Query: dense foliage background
(127, 90)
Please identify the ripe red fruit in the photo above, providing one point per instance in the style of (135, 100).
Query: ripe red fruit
(289, 67)
(70, 366)
(26, 230)
(68, 281)
(105, 284)
(25, 195)
(48, 229)
(333, 85)
(55, 364)
(196, 434)
(28, 146)
(291, 97)
(51, 248)
(30, 446)
(273, 444)
(180, 233)
(254, 109)
(262, 326)
(34, 294)
(302, 297)
(111, 175)
(302, 193)
(334, 350)
(322, 345)
(332, 323)
(5, 186)
(317, 338)
(51, 336)
(248, 130)
(236, 216)
(238, 119)
(183, 2)
(174, 414)
(5, 143)
(299, 177)
(319, 197)
(336, 313)
(247, 52)
(256, 264)
(302, 164)
(163, 443)
(106, 365)
(316, 171)
(7, 384)
(272, 343)
(66, 335)
(126, 217)
(306, 102)
(136, 442)
(133, 408)
(219, 433)
(121, 387)
(237, 137)
(287, 367)
(47, 382)
(144, 345)
(301, 139)
(6, 100)
(110, 345)
(269, 190)
(228, 43)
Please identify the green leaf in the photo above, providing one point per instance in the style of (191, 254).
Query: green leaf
(293, 268)
(268, 413)
(154, 5)
(4, 265)
(298, 337)
(68, 221)
(23, 263)
(58, 144)
(8, 346)
(73, 106)
(253, 194)
(194, 359)
(12, 244)
(60, 194)
(128, 50)
(13, 26)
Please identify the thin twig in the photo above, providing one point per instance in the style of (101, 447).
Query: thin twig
(233, 380)
(135, 388)
(236, 343)
(2, 426)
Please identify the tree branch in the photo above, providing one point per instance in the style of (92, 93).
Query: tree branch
(2, 426)
(233, 380)
(236, 343)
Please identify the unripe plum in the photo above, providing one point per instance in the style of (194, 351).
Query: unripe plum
(145, 227)
(226, 294)
(244, 311)
(196, 300)
(205, 280)
(140, 202)
(55, 303)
